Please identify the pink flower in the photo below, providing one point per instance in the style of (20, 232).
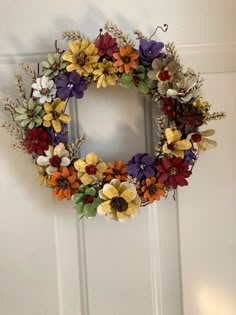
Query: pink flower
(106, 45)
(172, 172)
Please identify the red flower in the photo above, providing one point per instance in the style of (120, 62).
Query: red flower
(106, 45)
(36, 141)
(189, 121)
(169, 107)
(172, 172)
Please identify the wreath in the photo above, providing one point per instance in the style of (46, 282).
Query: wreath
(113, 189)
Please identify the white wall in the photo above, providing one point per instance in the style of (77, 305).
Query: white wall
(51, 263)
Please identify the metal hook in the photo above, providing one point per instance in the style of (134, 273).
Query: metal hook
(164, 29)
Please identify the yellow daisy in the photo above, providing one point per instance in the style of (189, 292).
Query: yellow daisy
(55, 114)
(82, 57)
(91, 169)
(121, 200)
(174, 145)
(105, 74)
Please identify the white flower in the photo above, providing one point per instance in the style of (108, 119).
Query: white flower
(55, 157)
(44, 90)
(184, 89)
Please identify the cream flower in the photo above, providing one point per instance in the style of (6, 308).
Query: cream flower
(185, 89)
(201, 142)
(174, 145)
(82, 57)
(121, 200)
(91, 169)
(44, 90)
(55, 157)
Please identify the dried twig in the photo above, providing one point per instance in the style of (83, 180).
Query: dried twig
(9, 105)
(116, 32)
(215, 116)
(72, 35)
(20, 86)
(139, 34)
(28, 70)
(75, 145)
(161, 126)
(15, 132)
(171, 50)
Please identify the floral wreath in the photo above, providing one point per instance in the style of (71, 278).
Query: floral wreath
(114, 189)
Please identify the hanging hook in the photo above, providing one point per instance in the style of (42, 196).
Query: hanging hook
(164, 29)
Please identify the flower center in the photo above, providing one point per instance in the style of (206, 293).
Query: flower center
(44, 91)
(70, 85)
(164, 75)
(55, 161)
(136, 80)
(171, 146)
(54, 66)
(90, 169)
(55, 115)
(115, 171)
(30, 114)
(196, 137)
(119, 204)
(152, 189)
(63, 183)
(172, 171)
(81, 58)
(87, 199)
(126, 59)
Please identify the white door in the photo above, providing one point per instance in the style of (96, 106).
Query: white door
(174, 258)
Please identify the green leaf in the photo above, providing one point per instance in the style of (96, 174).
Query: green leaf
(127, 77)
(79, 208)
(90, 210)
(90, 191)
(51, 59)
(143, 88)
(20, 110)
(140, 69)
(128, 84)
(45, 64)
(77, 197)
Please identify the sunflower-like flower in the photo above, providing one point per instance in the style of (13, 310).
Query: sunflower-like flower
(82, 57)
(64, 182)
(91, 169)
(151, 190)
(200, 141)
(105, 74)
(126, 59)
(44, 90)
(53, 66)
(120, 200)
(174, 145)
(55, 115)
(29, 114)
(55, 157)
(86, 201)
(116, 170)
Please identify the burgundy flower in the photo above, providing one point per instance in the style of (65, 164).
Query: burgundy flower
(169, 107)
(189, 121)
(36, 141)
(106, 45)
(69, 85)
(172, 172)
(142, 166)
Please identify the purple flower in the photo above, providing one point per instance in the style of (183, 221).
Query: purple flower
(57, 137)
(149, 50)
(141, 166)
(189, 157)
(70, 84)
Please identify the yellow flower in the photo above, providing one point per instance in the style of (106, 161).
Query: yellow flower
(82, 57)
(121, 200)
(55, 114)
(42, 176)
(105, 74)
(174, 145)
(91, 169)
(202, 106)
(200, 142)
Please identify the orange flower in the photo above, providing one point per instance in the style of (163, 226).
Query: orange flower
(126, 59)
(116, 170)
(151, 190)
(64, 182)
